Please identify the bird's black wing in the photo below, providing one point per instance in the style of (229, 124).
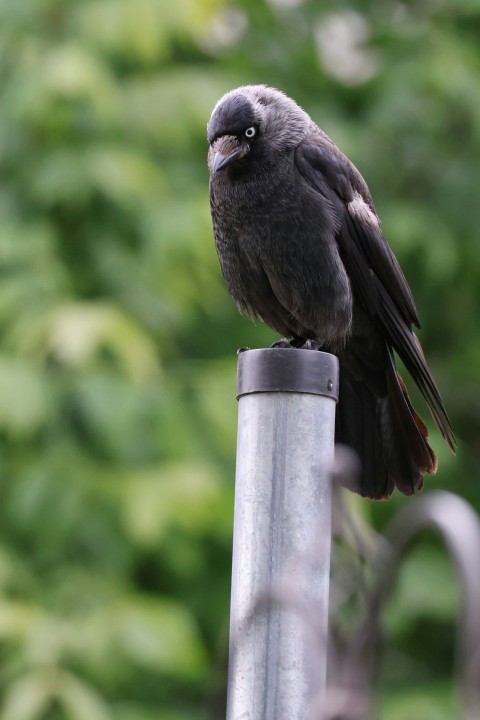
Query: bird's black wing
(374, 272)
(323, 163)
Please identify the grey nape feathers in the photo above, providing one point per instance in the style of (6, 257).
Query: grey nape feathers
(300, 246)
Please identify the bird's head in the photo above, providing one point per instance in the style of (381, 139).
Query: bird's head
(252, 125)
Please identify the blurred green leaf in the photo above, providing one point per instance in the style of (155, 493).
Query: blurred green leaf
(427, 702)
(80, 332)
(427, 586)
(23, 398)
(159, 634)
(80, 701)
(28, 698)
(190, 496)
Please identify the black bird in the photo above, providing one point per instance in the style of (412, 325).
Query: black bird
(300, 246)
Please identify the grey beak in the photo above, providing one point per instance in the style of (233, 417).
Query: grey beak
(221, 161)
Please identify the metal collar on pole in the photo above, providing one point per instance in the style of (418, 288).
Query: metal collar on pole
(274, 370)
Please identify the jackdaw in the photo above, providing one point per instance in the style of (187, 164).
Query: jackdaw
(300, 247)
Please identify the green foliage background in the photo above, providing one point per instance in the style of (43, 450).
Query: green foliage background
(118, 339)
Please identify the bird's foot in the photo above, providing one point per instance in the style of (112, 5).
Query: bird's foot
(298, 343)
(312, 345)
(241, 350)
(283, 343)
(303, 344)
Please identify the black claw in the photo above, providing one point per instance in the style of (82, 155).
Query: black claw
(240, 350)
(304, 344)
(284, 343)
(312, 345)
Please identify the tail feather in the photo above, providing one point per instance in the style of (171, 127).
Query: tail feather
(409, 349)
(386, 432)
(409, 456)
(357, 425)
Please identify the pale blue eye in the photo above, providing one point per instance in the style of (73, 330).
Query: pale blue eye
(250, 132)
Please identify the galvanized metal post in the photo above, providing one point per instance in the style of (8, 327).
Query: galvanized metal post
(282, 527)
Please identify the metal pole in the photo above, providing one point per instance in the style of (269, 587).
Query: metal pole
(282, 527)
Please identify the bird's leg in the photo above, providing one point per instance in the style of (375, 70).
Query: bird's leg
(283, 343)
